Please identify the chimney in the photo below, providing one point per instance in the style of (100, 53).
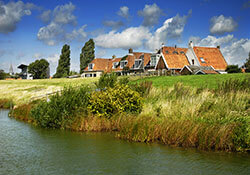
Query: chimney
(190, 44)
(162, 45)
(130, 50)
(218, 47)
(113, 57)
(175, 46)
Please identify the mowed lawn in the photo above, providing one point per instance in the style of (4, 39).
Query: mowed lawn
(21, 91)
(206, 81)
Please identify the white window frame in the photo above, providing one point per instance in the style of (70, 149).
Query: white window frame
(115, 64)
(89, 66)
(125, 63)
(202, 60)
(151, 63)
(139, 64)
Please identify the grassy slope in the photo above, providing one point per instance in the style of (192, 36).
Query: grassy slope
(209, 81)
(20, 91)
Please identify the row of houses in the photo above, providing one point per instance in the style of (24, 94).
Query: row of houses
(191, 60)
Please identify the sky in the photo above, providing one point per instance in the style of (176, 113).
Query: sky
(31, 30)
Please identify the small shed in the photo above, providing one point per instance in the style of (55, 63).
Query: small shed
(196, 70)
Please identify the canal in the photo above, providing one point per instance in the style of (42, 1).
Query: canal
(25, 149)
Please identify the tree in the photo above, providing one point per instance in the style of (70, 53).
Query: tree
(2, 74)
(233, 69)
(39, 69)
(87, 55)
(63, 67)
(247, 64)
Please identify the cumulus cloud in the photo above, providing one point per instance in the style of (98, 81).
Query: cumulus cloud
(58, 20)
(234, 50)
(113, 24)
(130, 37)
(151, 14)
(11, 13)
(46, 16)
(124, 12)
(172, 28)
(221, 24)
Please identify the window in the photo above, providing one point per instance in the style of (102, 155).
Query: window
(90, 66)
(192, 62)
(175, 52)
(123, 63)
(202, 60)
(153, 60)
(115, 64)
(94, 75)
(167, 52)
(182, 52)
(137, 64)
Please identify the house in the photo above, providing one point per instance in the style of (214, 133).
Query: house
(196, 70)
(24, 72)
(175, 59)
(132, 63)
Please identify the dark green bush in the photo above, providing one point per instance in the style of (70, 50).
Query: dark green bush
(233, 69)
(115, 100)
(107, 80)
(62, 107)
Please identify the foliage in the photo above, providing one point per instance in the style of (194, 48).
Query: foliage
(39, 69)
(233, 85)
(106, 80)
(63, 67)
(3, 75)
(247, 64)
(87, 55)
(62, 107)
(6, 103)
(233, 69)
(124, 80)
(73, 73)
(142, 88)
(115, 100)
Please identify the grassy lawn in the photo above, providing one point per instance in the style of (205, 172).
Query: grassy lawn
(21, 91)
(209, 81)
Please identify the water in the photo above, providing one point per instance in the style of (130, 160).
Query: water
(25, 149)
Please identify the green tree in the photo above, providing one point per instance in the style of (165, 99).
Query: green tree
(39, 69)
(87, 55)
(233, 69)
(247, 64)
(63, 67)
(2, 74)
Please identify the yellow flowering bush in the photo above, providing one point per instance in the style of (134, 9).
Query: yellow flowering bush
(115, 100)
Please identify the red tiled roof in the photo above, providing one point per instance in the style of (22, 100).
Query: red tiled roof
(175, 60)
(212, 57)
(210, 71)
(100, 64)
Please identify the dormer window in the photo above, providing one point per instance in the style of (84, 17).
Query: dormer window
(182, 52)
(90, 66)
(115, 64)
(175, 52)
(202, 60)
(167, 52)
(137, 64)
(123, 63)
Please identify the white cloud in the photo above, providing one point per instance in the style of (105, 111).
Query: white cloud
(79, 34)
(53, 61)
(220, 24)
(113, 24)
(59, 19)
(46, 16)
(124, 12)
(234, 50)
(11, 13)
(151, 14)
(172, 28)
(132, 37)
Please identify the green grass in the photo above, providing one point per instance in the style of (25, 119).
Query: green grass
(199, 81)
(21, 91)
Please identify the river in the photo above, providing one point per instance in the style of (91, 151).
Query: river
(26, 149)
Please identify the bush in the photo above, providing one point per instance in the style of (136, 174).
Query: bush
(142, 88)
(115, 100)
(106, 80)
(62, 107)
(233, 69)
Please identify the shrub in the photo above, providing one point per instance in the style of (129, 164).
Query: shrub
(114, 101)
(6, 103)
(62, 107)
(106, 80)
(233, 69)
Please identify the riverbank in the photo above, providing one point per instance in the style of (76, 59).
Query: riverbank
(179, 115)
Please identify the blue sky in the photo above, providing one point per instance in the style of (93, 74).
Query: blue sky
(31, 30)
